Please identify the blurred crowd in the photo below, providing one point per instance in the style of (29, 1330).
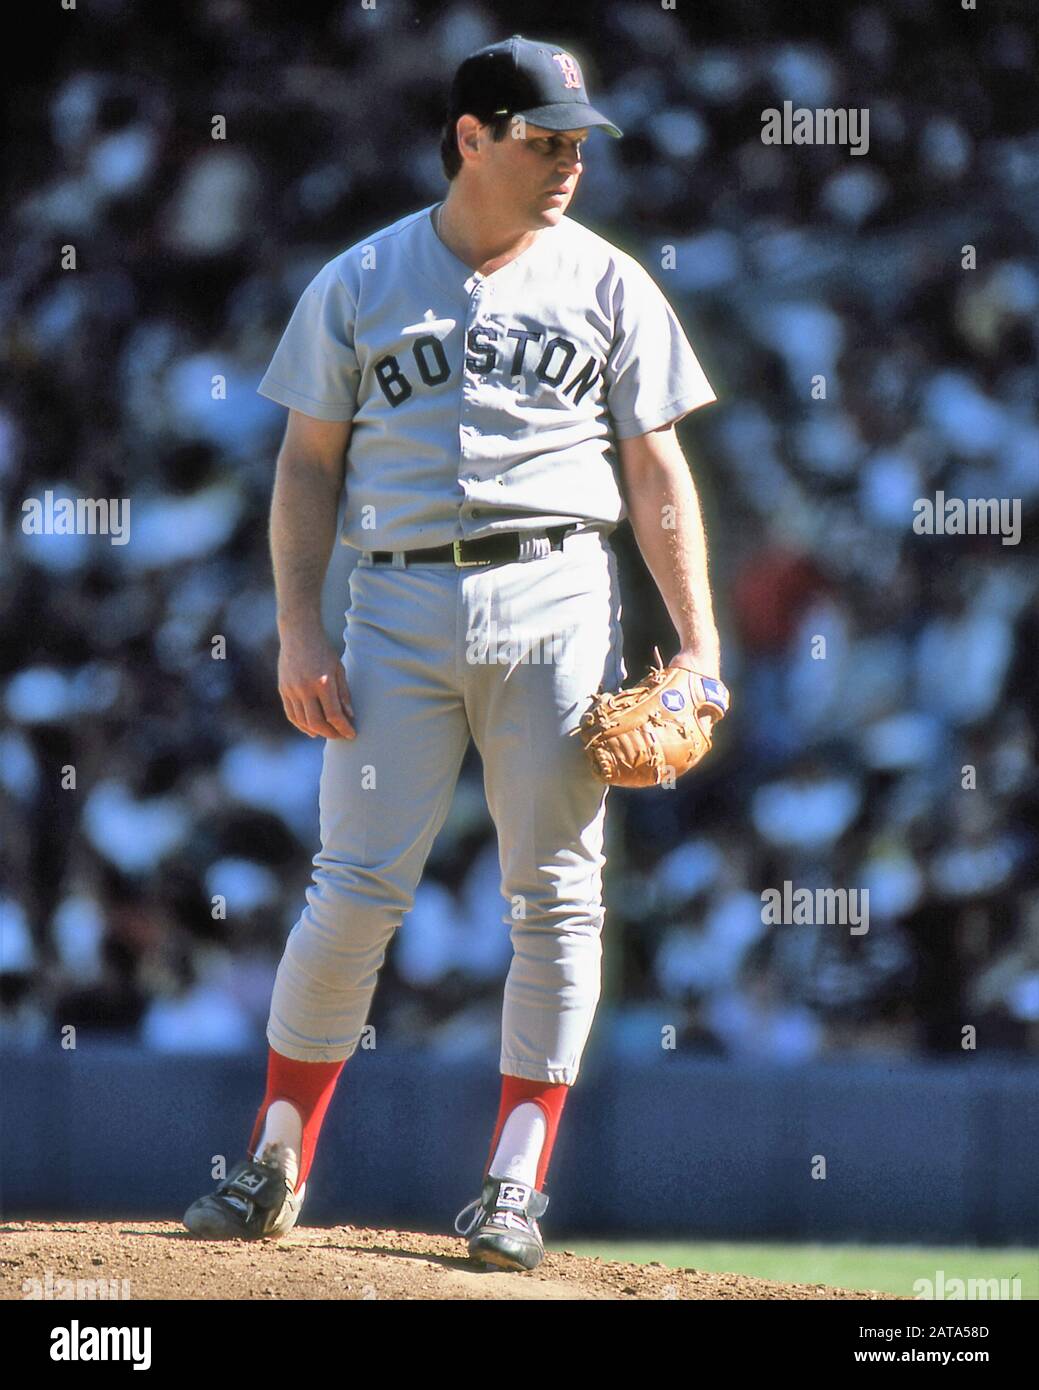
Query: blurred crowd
(159, 813)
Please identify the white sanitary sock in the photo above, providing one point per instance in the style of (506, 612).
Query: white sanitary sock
(282, 1125)
(520, 1145)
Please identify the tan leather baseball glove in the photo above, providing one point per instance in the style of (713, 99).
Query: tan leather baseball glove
(634, 736)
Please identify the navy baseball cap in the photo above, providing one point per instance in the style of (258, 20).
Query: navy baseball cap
(522, 77)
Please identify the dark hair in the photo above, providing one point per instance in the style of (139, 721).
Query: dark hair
(449, 156)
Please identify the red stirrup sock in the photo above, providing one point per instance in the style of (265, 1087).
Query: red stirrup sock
(309, 1087)
(550, 1096)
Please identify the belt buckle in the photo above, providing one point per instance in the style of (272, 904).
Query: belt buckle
(465, 564)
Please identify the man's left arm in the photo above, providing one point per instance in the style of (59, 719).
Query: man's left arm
(668, 524)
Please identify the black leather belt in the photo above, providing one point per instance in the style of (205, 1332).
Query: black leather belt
(488, 550)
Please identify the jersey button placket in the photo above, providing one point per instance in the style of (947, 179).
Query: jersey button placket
(467, 431)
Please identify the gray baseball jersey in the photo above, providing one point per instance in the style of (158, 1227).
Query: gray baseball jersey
(483, 403)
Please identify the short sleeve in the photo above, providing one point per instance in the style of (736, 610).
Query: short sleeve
(652, 375)
(314, 368)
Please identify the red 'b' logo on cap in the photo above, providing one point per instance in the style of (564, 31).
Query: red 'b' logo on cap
(571, 72)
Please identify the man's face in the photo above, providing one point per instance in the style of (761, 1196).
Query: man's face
(534, 177)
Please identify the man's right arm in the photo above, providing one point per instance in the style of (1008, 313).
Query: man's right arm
(304, 510)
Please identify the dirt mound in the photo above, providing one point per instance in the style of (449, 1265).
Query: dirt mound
(150, 1259)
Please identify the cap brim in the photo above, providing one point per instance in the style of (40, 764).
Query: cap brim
(570, 115)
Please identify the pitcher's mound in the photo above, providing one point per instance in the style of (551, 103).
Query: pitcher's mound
(158, 1259)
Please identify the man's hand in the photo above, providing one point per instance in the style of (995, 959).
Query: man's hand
(312, 685)
(704, 661)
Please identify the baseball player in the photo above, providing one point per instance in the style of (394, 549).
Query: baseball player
(497, 386)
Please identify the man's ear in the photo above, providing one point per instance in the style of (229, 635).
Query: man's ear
(467, 132)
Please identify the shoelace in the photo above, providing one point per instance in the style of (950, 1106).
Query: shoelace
(480, 1213)
(476, 1206)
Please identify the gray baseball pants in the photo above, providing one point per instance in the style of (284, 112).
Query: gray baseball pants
(507, 654)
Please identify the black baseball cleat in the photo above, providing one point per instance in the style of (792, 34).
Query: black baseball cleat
(503, 1229)
(254, 1202)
